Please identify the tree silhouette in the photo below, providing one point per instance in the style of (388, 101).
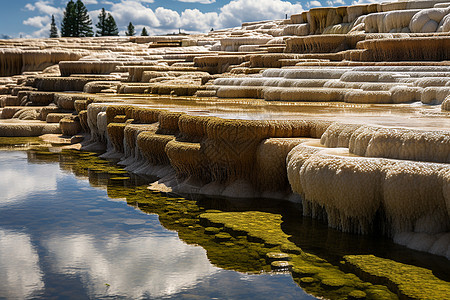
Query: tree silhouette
(106, 25)
(83, 21)
(144, 32)
(130, 30)
(53, 29)
(76, 21)
(101, 25)
(68, 21)
(111, 26)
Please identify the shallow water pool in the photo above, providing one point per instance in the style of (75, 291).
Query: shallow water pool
(73, 226)
(61, 238)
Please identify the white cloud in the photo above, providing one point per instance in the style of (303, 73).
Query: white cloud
(335, 2)
(132, 10)
(30, 6)
(88, 2)
(163, 20)
(44, 7)
(193, 20)
(199, 1)
(143, 1)
(38, 21)
(168, 18)
(238, 11)
(314, 4)
(366, 2)
(93, 14)
(43, 32)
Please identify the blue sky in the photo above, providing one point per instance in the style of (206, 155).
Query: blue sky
(31, 18)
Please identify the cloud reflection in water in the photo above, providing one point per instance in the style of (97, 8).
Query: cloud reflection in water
(20, 179)
(20, 274)
(91, 245)
(131, 267)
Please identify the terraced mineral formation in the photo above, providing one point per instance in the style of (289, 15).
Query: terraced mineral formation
(345, 110)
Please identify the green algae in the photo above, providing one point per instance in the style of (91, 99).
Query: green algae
(260, 226)
(117, 172)
(43, 152)
(212, 230)
(81, 154)
(357, 295)
(119, 178)
(333, 283)
(20, 140)
(212, 211)
(12, 143)
(222, 237)
(407, 281)
(290, 248)
(241, 243)
(97, 170)
(265, 228)
(182, 215)
(307, 280)
(91, 162)
(305, 271)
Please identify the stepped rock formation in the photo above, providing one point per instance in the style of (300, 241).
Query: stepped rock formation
(345, 110)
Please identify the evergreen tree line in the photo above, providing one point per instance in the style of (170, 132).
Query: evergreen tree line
(77, 23)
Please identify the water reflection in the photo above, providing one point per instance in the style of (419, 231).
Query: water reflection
(20, 275)
(148, 265)
(19, 182)
(80, 244)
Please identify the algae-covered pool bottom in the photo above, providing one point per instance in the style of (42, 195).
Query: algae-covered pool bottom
(75, 226)
(61, 238)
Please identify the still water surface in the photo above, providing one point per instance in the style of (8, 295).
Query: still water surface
(61, 238)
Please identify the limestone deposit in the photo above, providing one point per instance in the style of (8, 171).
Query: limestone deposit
(344, 110)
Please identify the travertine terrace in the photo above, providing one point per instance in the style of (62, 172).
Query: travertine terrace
(346, 110)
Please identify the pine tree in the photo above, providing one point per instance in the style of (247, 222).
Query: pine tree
(144, 32)
(130, 30)
(83, 24)
(111, 26)
(76, 21)
(68, 22)
(53, 29)
(106, 25)
(101, 25)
